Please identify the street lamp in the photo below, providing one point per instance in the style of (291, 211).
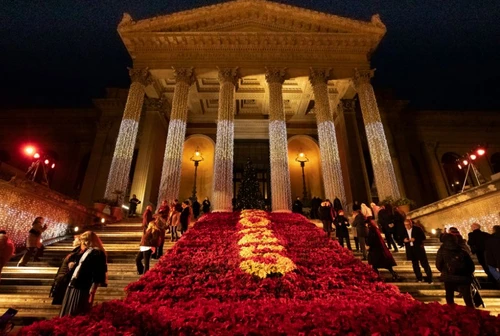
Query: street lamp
(38, 171)
(196, 158)
(302, 158)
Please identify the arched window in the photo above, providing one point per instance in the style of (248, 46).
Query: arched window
(495, 162)
(455, 175)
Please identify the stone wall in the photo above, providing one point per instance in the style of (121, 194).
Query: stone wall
(480, 204)
(22, 201)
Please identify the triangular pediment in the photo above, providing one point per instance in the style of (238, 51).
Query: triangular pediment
(251, 16)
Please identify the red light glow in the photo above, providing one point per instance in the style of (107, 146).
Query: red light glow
(36, 156)
(473, 156)
(465, 162)
(53, 166)
(46, 162)
(480, 151)
(29, 150)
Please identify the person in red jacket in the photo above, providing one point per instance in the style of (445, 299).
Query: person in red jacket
(6, 250)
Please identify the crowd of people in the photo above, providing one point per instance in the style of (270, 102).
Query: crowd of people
(376, 230)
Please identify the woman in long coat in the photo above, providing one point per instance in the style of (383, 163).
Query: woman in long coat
(379, 255)
(64, 274)
(90, 273)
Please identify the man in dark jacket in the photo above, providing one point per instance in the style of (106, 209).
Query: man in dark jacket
(359, 224)
(297, 206)
(456, 267)
(492, 253)
(386, 222)
(477, 242)
(413, 238)
(342, 229)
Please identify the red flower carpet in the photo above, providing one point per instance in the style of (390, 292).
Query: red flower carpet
(265, 274)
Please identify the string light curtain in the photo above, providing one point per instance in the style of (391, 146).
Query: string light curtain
(329, 151)
(383, 169)
(224, 148)
(278, 145)
(172, 159)
(124, 150)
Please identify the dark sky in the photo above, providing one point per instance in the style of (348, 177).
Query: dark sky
(438, 54)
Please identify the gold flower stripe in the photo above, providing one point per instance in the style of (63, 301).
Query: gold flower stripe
(258, 241)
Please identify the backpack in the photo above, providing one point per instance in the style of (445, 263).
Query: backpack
(458, 263)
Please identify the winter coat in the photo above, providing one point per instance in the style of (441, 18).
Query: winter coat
(417, 251)
(378, 254)
(359, 224)
(151, 238)
(492, 252)
(325, 212)
(477, 241)
(35, 235)
(446, 253)
(206, 206)
(385, 218)
(147, 217)
(342, 226)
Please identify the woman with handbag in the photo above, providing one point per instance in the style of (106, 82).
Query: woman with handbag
(89, 274)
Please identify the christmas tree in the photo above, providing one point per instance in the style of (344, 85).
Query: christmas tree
(249, 196)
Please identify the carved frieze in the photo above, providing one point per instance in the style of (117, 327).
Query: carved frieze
(140, 75)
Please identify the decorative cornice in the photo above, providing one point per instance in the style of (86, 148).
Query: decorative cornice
(140, 75)
(275, 75)
(280, 15)
(185, 75)
(228, 75)
(319, 76)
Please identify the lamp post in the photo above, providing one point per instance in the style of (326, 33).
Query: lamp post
(302, 158)
(196, 158)
(468, 160)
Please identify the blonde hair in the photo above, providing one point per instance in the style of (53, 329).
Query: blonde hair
(91, 239)
(152, 225)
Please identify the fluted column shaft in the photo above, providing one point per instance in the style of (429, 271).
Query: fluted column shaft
(278, 144)
(224, 147)
(330, 159)
(383, 169)
(124, 150)
(172, 159)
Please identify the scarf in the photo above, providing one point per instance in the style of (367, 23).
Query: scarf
(82, 259)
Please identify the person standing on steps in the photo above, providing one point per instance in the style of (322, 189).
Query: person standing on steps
(325, 215)
(6, 250)
(64, 273)
(133, 206)
(477, 241)
(185, 216)
(149, 243)
(206, 205)
(175, 222)
(414, 238)
(359, 224)
(297, 206)
(342, 229)
(386, 222)
(196, 209)
(457, 269)
(34, 246)
(379, 255)
(147, 217)
(90, 273)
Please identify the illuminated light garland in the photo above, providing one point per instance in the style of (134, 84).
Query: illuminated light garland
(172, 159)
(281, 194)
(330, 158)
(224, 146)
(383, 169)
(22, 204)
(125, 143)
(259, 245)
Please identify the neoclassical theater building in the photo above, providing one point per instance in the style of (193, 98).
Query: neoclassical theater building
(266, 81)
(251, 79)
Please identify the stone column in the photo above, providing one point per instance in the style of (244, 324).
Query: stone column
(330, 159)
(383, 169)
(436, 169)
(124, 150)
(172, 160)
(278, 144)
(144, 165)
(343, 145)
(224, 147)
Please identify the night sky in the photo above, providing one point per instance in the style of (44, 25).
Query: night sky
(438, 54)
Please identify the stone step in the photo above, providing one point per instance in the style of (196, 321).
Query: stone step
(116, 281)
(44, 290)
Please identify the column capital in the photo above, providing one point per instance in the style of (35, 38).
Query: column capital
(318, 76)
(184, 75)
(141, 76)
(362, 76)
(349, 105)
(154, 104)
(275, 75)
(228, 75)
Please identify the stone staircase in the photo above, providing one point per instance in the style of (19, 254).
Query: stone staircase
(27, 288)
